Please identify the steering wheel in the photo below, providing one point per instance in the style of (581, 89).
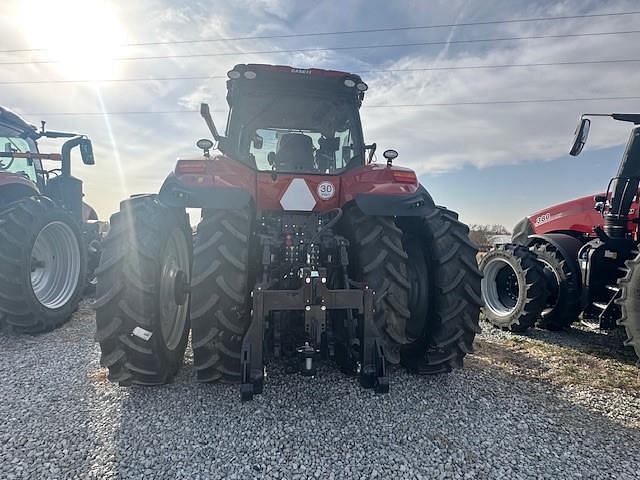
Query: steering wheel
(6, 167)
(56, 171)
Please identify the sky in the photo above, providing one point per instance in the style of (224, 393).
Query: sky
(491, 163)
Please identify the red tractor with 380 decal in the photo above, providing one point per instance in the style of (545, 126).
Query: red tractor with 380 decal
(576, 258)
(306, 250)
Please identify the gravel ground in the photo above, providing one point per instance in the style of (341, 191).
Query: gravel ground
(541, 406)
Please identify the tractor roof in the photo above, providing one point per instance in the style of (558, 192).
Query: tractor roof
(15, 122)
(287, 70)
(284, 79)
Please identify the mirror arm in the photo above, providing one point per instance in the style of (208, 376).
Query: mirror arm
(372, 150)
(66, 154)
(206, 114)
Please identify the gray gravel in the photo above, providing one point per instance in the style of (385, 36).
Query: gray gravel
(62, 419)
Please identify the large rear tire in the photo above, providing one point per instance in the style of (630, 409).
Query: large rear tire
(43, 264)
(629, 302)
(514, 287)
(379, 260)
(142, 298)
(563, 301)
(445, 294)
(220, 300)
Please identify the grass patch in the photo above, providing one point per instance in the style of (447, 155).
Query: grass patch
(558, 365)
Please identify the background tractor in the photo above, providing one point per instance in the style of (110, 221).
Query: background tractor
(306, 250)
(49, 238)
(576, 258)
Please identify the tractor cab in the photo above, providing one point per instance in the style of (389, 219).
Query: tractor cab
(290, 120)
(602, 260)
(17, 146)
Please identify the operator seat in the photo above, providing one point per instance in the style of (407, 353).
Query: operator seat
(295, 153)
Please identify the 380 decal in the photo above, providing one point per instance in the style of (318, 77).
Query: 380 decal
(543, 219)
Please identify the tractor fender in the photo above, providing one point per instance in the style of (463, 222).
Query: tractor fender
(522, 232)
(18, 188)
(567, 245)
(175, 193)
(417, 204)
(88, 213)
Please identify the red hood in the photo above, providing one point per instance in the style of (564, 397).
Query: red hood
(577, 215)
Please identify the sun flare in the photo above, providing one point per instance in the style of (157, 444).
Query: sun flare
(82, 36)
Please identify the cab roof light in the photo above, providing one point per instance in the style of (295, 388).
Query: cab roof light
(349, 83)
(233, 74)
(363, 87)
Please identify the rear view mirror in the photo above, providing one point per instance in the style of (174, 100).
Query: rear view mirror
(580, 137)
(86, 152)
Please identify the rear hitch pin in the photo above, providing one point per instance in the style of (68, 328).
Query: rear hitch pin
(307, 353)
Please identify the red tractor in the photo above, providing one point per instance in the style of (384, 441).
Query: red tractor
(576, 258)
(48, 235)
(306, 250)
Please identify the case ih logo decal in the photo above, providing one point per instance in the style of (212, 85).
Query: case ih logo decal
(326, 190)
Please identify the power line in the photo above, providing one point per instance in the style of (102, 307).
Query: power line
(348, 32)
(397, 70)
(339, 48)
(503, 102)
(405, 105)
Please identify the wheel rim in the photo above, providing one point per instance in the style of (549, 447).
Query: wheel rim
(500, 288)
(174, 301)
(55, 265)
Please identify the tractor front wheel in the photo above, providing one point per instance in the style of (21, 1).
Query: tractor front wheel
(563, 301)
(42, 265)
(142, 294)
(514, 288)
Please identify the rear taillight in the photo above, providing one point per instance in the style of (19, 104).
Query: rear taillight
(402, 176)
(191, 167)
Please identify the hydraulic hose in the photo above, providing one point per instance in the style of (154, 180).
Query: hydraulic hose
(329, 225)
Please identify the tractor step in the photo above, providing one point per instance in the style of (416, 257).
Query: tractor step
(609, 311)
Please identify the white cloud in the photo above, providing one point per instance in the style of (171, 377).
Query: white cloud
(437, 139)
(434, 139)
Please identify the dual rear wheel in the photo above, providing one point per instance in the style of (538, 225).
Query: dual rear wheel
(142, 296)
(423, 269)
